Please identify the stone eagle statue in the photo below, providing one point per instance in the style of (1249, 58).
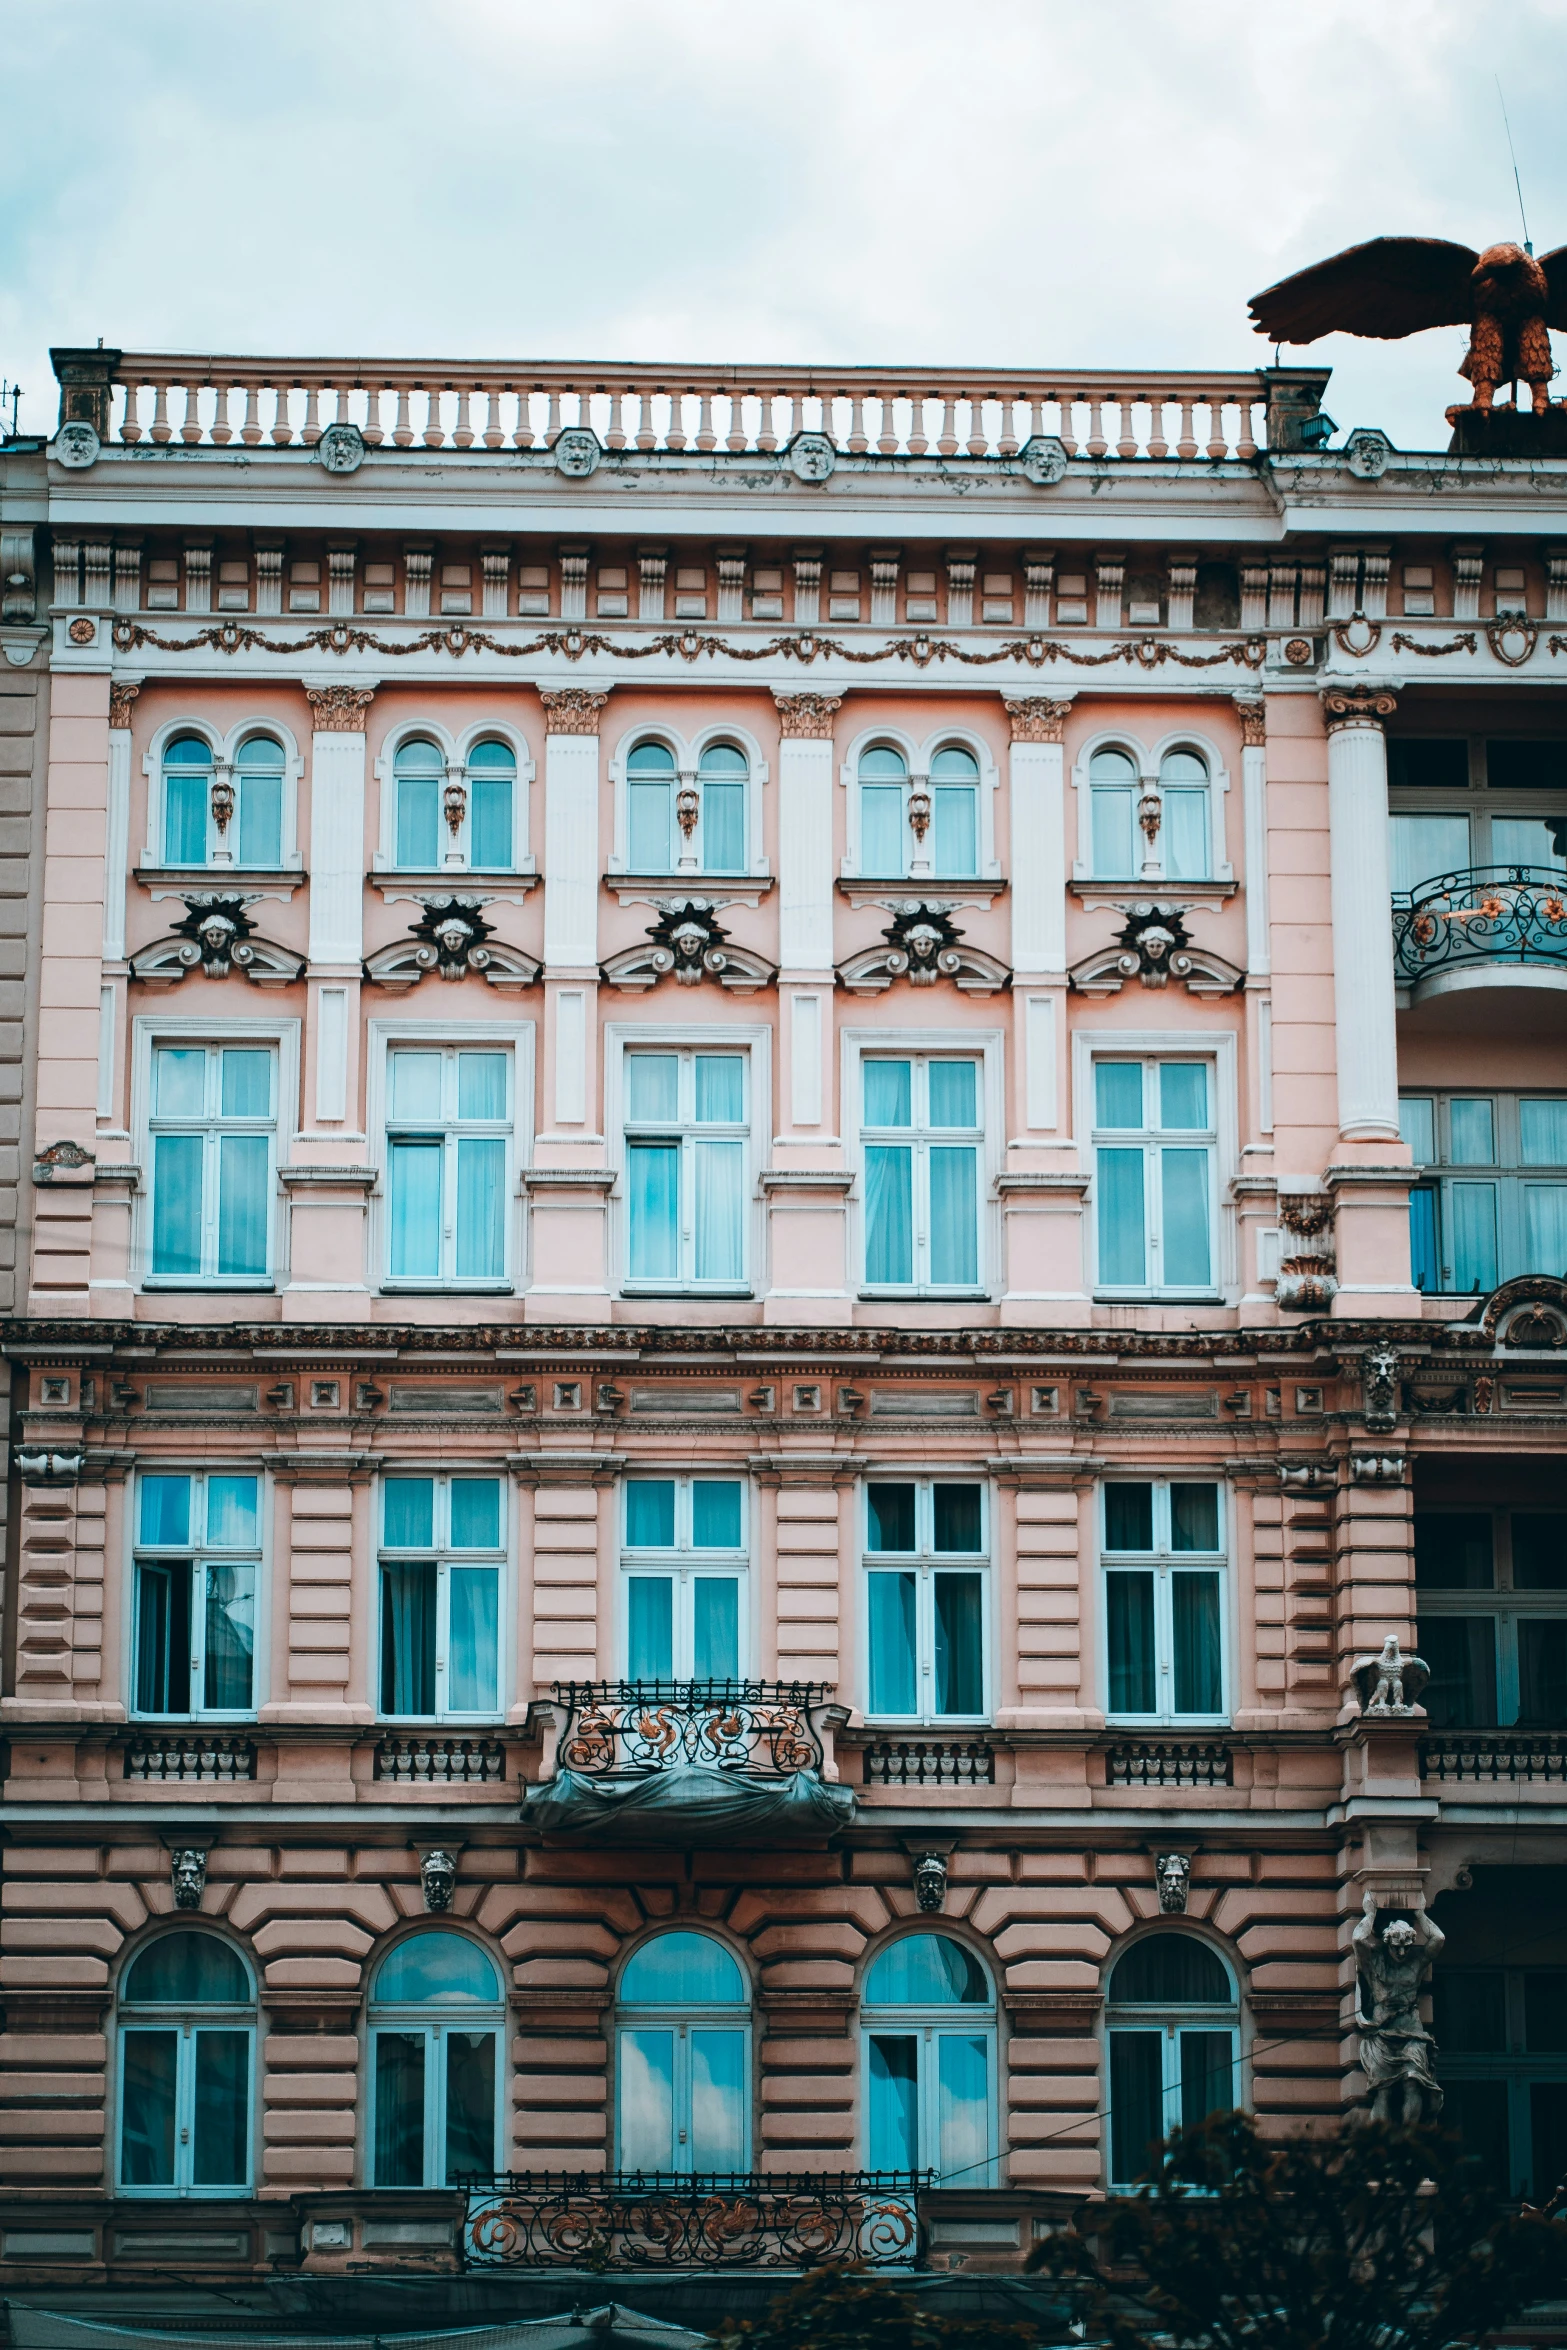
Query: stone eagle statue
(1397, 286)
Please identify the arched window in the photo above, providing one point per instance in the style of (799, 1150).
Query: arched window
(418, 773)
(954, 789)
(723, 775)
(492, 782)
(682, 2050)
(884, 828)
(1183, 788)
(650, 808)
(256, 826)
(1173, 2020)
(436, 2015)
(187, 2050)
(929, 2020)
(1112, 800)
(187, 800)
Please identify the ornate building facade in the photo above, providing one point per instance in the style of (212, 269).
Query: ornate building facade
(801, 1150)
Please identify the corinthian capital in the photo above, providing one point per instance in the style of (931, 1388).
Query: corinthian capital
(339, 709)
(1357, 705)
(1035, 719)
(573, 709)
(807, 717)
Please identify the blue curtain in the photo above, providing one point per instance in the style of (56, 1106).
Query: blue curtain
(149, 2062)
(723, 824)
(260, 814)
(1134, 1680)
(715, 1513)
(956, 830)
(481, 1208)
(1471, 1218)
(242, 1203)
(407, 1637)
(229, 1643)
(954, 1215)
(490, 831)
(220, 2142)
(470, 2105)
(893, 2131)
(1187, 1262)
(720, 1211)
(476, 1513)
(1122, 1255)
(650, 1627)
(163, 1637)
(653, 1186)
(715, 1628)
(187, 790)
(1194, 1633)
(176, 1205)
(418, 820)
(889, 1213)
(960, 1667)
(1185, 829)
(649, 827)
(415, 1188)
(893, 1677)
(472, 1640)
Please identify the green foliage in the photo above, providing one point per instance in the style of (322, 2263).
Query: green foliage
(837, 2309)
(1378, 2239)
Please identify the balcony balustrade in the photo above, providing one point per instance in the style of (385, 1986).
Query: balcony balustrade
(425, 1762)
(662, 2221)
(190, 1757)
(1484, 914)
(1169, 1762)
(887, 412)
(911, 1762)
(1487, 1757)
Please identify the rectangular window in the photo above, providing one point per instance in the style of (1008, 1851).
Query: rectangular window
(1491, 1588)
(922, 1135)
(442, 1543)
(1490, 1202)
(926, 1576)
(1164, 1563)
(1154, 1165)
(212, 1134)
(198, 1558)
(687, 1139)
(435, 2106)
(185, 2109)
(448, 1149)
(1503, 2065)
(683, 1561)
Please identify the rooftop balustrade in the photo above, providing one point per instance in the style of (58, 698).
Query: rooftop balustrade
(163, 398)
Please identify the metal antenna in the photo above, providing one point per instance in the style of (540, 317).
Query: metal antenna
(1512, 151)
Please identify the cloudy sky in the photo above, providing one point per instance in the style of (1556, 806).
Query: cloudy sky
(1064, 182)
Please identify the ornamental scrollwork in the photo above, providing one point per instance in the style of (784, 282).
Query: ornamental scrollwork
(922, 944)
(216, 938)
(646, 2220)
(689, 944)
(619, 1728)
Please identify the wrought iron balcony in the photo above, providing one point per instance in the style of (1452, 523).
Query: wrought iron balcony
(688, 1761)
(718, 2220)
(1483, 914)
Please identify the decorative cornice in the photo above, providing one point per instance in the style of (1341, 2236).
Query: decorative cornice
(573, 709)
(807, 717)
(339, 709)
(1037, 720)
(1357, 705)
(1251, 712)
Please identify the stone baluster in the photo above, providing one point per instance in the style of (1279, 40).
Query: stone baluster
(522, 437)
(1126, 404)
(978, 441)
(615, 431)
(917, 442)
(1158, 446)
(130, 423)
(190, 430)
(1218, 442)
(161, 428)
(311, 432)
(250, 430)
(434, 434)
(222, 430)
(463, 435)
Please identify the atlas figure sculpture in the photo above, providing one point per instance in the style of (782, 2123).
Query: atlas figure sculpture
(1396, 2050)
(1396, 286)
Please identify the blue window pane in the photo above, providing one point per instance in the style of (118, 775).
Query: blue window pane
(720, 1089)
(416, 1087)
(960, 1664)
(1471, 1133)
(418, 821)
(408, 1635)
(1118, 1093)
(926, 1970)
(889, 1517)
(956, 830)
(1471, 1219)
(954, 1093)
(399, 2109)
(955, 1511)
(1424, 1263)
(165, 1509)
(651, 759)
(649, 829)
(1194, 1630)
(650, 1627)
(181, 1082)
(1136, 2104)
(1545, 1228)
(653, 1187)
(481, 1208)
(1194, 1517)
(889, 1093)
(883, 763)
(717, 2101)
(187, 1970)
(481, 1085)
(1130, 1643)
(176, 1205)
(652, 1086)
(883, 831)
(962, 2108)
(715, 1513)
(719, 1233)
(1122, 1258)
(246, 1086)
(231, 1512)
(476, 1513)
(650, 1513)
(1542, 1133)
(163, 1637)
(230, 1637)
(260, 781)
(1185, 828)
(149, 2064)
(242, 1204)
(646, 2085)
(893, 2131)
(1417, 1127)
(1207, 2077)
(893, 1676)
(723, 759)
(220, 2139)
(1183, 1095)
(954, 1216)
(415, 1203)
(470, 2104)
(1128, 1517)
(408, 1520)
(682, 1970)
(723, 825)
(889, 1214)
(1112, 830)
(491, 772)
(435, 1965)
(715, 1628)
(1186, 1254)
(473, 1644)
(186, 799)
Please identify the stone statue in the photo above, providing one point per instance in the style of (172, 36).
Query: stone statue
(1389, 1682)
(438, 1876)
(188, 1875)
(1396, 2050)
(1396, 286)
(1173, 1876)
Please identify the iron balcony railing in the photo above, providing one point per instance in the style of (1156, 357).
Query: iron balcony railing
(628, 1728)
(1482, 914)
(710, 2220)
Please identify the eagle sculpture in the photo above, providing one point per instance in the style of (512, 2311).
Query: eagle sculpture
(1397, 286)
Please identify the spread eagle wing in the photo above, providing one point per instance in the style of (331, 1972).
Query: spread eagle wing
(1390, 287)
(1555, 268)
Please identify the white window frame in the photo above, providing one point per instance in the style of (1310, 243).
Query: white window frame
(434, 2018)
(443, 1555)
(1504, 1603)
(1505, 1173)
(1170, 2021)
(682, 2020)
(751, 1039)
(225, 750)
(516, 1036)
(925, 2026)
(147, 1033)
(1222, 1139)
(1478, 800)
(684, 1564)
(185, 2020)
(1164, 1562)
(917, 756)
(456, 751)
(198, 1555)
(924, 1563)
(1148, 760)
(687, 755)
(953, 1044)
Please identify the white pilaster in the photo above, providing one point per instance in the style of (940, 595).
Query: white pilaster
(571, 834)
(805, 834)
(116, 850)
(1038, 817)
(1362, 924)
(337, 825)
(1254, 813)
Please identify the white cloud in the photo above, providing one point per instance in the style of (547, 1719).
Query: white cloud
(1026, 181)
